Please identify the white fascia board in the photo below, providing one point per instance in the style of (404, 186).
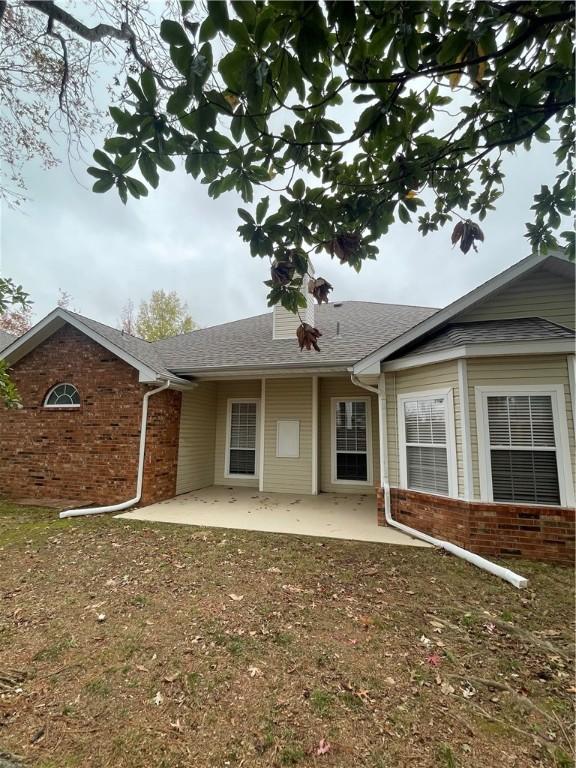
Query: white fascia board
(269, 373)
(444, 315)
(494, 349)
(53, 322)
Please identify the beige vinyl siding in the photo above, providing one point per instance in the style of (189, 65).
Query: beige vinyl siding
(539, 294)
(288, 399)
(512, 371)
(196, 439)
(225, 391)
(423, 379)
(343, 388)
(285, 323)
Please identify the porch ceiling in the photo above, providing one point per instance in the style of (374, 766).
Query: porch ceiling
(328, 515)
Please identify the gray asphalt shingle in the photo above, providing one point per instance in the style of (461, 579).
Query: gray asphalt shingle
(491, 331)
(362, 326)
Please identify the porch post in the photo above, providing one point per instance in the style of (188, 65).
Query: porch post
(262, 433)
(314, 435)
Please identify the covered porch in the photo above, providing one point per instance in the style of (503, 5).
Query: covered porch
(327, 515)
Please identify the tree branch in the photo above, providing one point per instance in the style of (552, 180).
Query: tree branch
(92, 34)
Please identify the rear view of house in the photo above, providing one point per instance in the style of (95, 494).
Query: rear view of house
(461, 419)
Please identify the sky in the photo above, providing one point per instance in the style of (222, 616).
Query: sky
(103, 253)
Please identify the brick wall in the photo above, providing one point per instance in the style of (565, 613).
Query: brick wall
(90, 453)
(500, 530)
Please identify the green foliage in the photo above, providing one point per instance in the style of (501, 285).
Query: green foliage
(11, 295)
(165, 314)
(355, 115)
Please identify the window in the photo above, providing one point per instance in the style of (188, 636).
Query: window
(427, 455)
(523, 445)
(242, 438)
(523, 461)
(351, 438)
(62, 396)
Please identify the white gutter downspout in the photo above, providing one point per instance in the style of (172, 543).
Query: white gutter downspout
(126, 504)
(470, 557)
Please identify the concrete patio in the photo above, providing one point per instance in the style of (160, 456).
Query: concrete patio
(328, 515)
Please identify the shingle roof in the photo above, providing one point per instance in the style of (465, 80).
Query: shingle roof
(142, 350)
(248, 343)
(489, 331)
(6, 339)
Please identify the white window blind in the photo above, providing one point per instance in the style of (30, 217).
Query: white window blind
(426, 445)
(523, 449)
(243, 419)
(351, 440)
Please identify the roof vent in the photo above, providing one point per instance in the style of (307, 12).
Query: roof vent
(337, 306)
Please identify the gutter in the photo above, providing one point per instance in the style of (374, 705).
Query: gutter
(480, 562)
(140, 476)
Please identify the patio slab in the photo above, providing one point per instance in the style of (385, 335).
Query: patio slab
(328, 515)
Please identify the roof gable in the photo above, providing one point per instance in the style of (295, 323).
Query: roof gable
(467, 305)
(136, 352)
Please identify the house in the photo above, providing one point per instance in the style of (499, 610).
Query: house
(462, 417)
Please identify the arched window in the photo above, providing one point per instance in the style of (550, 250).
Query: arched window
(62, 396)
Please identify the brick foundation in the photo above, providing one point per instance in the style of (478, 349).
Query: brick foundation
(500, 530)
(90, 453)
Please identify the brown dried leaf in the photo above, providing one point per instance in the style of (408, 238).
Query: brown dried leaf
(319, 288)
(307, 337)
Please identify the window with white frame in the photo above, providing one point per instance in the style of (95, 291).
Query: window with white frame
(427, 458)
(62, 396)
(522, 444)
(242, 437)
(351, 447)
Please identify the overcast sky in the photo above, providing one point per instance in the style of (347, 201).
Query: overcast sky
(103, 253)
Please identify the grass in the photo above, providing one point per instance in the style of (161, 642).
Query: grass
(387, 668)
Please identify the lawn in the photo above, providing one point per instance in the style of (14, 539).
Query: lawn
(135, 644)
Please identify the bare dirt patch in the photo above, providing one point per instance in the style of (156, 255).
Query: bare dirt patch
(135, 644)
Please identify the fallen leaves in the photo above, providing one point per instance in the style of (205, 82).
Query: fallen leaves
(323, 747)
(236, 598)
(158, 699)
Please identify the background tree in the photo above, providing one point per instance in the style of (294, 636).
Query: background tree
(128, 318)
(13, 299)
(163, 315)
(17, 319)
(51, 61)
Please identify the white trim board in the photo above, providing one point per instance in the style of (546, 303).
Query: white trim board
(558, 399)
(493, 349)
(468, 477)
(258, 450)
(431, 394)
(369, 438)
(371, 363)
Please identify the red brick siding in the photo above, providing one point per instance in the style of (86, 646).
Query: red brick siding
(161, 456)
(500, 530)
(89, 453)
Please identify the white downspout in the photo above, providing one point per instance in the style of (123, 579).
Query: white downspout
(470, 557)
(139, 480)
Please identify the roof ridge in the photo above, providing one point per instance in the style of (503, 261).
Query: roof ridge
(110, 327)
(266, 314)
